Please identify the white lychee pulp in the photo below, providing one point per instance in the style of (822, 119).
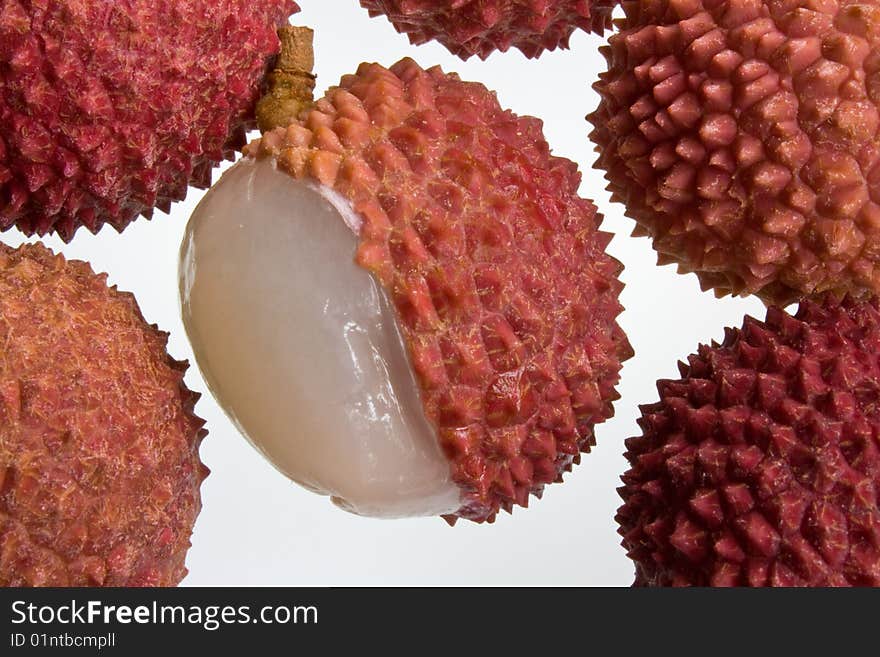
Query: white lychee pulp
(301, 348)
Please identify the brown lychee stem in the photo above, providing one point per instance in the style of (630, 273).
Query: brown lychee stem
(291, 83)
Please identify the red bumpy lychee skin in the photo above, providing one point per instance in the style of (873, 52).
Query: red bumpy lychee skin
(99, 464)
(480, 27)
(761, 465)
(504, 293)
(110, 109)
(743, 138)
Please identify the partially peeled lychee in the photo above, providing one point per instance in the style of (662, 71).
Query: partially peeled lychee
(403, 303)
(481, 27)
(111, 109)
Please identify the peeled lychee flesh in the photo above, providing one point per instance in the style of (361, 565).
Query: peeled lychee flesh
(760, 466)
(111, 109)
(743, 139)
(301, 345)
(403, 303)
(99, 463)
(481, 27)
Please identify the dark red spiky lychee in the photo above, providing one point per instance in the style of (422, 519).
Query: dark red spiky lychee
(111, 109)
(99, 464)
(480, 27)
(402, 300)
(761, 465)
(743, 138)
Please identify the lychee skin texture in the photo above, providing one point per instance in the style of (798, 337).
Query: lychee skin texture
(761, 465)
(99, 464)
(504, 293)
(743, 138)
(111, 109)
(480, 27)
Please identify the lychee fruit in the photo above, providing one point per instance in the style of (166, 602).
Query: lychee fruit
(403, 303)
(481, 27)
(761, 464)
(743, 139)
(111, 109)
(99, 463)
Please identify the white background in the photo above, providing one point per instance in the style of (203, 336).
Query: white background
(258, 528)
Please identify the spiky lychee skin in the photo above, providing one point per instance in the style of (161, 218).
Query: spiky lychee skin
(761, 465)
(99, 463)
(481, 27)
(111, 109)
(504, 293)
(743, 138)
